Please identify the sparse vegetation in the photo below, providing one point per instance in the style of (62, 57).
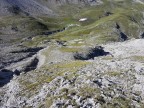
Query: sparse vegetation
(138, 58)
(114, 74)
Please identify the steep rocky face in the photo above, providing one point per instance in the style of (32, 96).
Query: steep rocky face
(3, 5)
(55, 3)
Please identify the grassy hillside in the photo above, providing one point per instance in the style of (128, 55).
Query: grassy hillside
(101, 24)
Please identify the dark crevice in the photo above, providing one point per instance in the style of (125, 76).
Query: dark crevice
(62, 43)
(52, 32)
(15, 9)
(5, 76)
(142, 35)
(117, 26)
(17, 60)
(122, 35)
(32, 65)
(108, 13)
(91, 53)
(28, 50)
(98, 83)
(133, 19)
(19, 56)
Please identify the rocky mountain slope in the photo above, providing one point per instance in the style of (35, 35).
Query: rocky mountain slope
(71, 53)
(38, 7)
(30, 7)
(115, 80)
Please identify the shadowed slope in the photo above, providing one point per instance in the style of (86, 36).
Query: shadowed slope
(28, 6)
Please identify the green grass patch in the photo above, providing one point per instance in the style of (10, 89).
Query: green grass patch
(113, 74)
(71, 50)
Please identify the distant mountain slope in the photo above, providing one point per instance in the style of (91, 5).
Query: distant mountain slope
(28, 6)
(38, 7)
(139, 1)
(45, 7)
(3, 6)
(55, 3)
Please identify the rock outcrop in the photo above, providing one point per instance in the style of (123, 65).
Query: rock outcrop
(90, 53)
